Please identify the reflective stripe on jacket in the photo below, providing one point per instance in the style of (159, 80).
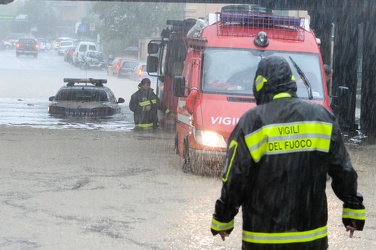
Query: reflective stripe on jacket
(288, 138)
(286, 237)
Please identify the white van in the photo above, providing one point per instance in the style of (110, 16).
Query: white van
(80, 50)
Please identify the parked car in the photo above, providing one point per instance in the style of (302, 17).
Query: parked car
(69, 54)
(135, 70)
(27, 46)
(57, 41)
(63, 46)
(84, 97)
(80, 50)
(140, 72)
(93, 60)
(127, 68)
(113, 68)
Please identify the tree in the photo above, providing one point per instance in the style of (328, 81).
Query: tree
(39, 14)
(123, 24)
(5, 26)
(91, 19)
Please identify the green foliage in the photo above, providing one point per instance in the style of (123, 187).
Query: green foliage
(123, 24)
(90, 35)
(42, 19)
(5, 26)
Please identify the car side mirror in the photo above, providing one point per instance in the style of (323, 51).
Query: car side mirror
(152, 64)
(121, 100)
(51, 98)
(179, 86)
(153, 48)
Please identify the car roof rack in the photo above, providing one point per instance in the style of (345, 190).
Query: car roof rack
(96, 82)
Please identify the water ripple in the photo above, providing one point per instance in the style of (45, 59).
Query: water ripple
(33, 113)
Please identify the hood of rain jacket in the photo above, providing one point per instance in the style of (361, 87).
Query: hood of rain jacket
(273, 76)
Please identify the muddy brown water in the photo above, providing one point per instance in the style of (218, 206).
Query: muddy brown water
(78, 188)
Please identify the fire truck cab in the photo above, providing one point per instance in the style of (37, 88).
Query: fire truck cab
(206, 69)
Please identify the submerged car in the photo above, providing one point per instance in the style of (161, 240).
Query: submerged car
(84, 97)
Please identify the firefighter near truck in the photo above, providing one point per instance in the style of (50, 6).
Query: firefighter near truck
(206, 69)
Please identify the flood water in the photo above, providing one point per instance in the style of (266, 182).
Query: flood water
(27, 83)
(33, 113)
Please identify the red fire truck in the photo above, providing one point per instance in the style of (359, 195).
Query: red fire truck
(206, 70)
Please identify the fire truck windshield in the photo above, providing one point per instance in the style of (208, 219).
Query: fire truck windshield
(231, 71)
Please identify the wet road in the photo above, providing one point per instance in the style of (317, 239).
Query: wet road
(97, 189)
(85, 189)
(101, 185)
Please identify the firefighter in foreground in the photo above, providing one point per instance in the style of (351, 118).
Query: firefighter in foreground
(145, 103)
(278, 156)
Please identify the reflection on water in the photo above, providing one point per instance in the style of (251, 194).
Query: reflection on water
(33, 113)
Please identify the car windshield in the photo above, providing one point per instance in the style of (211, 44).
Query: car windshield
(81, 95)
(231, 71)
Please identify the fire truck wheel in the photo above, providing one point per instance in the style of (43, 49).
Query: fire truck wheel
(187, 168)
(176, 144)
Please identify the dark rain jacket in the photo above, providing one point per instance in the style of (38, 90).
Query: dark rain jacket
(278, 157)
(138, 103)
